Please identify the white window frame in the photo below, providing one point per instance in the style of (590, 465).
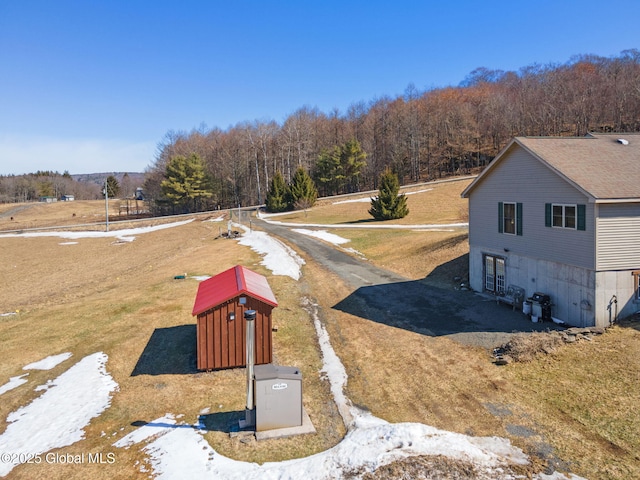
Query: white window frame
(564, 216)
(495, 273)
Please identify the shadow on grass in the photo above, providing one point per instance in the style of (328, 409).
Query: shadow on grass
(452, 273)
(632, 321)
(170, 350)
(361, 221)
(436, 306)
(225, 422)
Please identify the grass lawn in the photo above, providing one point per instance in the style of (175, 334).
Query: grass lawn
(103, 295)
(37, 214)
(430, 203)
(574, 409)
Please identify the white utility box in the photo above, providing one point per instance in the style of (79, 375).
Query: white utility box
(278, 397)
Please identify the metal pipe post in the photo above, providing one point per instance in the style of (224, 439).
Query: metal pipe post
(250, 317)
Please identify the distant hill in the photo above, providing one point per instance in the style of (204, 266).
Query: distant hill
(136, 178)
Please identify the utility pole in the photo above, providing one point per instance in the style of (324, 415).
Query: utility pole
(106, 203)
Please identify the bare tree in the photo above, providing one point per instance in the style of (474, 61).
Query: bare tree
(420, 134)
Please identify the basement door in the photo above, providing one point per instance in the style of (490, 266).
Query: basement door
(494, 274)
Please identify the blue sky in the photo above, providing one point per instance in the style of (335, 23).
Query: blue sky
(93, 86)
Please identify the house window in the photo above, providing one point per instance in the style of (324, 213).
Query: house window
(510, 218)
(565, 216)
(494, 274)
(636, 285)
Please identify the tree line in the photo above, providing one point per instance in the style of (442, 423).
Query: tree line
(33, 186)
(420, 135)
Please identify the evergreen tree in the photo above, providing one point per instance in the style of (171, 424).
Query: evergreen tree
(186, 182)
(338, 170)
(45, 189)
(388, 205)
(352, 161)
(302, 191)
(113, 187)
(327, 170)
(277, 194)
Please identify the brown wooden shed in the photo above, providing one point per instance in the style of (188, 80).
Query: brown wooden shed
(220, 305)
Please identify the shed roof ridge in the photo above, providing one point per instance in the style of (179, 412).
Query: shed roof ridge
(237, 280)
(241, 282)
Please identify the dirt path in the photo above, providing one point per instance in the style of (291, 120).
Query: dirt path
(11, 212)
(385, 297)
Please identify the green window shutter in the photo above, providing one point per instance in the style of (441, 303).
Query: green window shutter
(582, 217)
(500, 217)
(547, 214)
(519, 219)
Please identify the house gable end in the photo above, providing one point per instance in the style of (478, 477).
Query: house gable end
(506, 154)
(581, 214)
(527, 185)
(488, 170)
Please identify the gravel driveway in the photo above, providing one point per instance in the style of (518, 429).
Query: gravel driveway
(386, 297)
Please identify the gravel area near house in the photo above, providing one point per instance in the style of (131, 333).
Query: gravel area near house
(386, 297)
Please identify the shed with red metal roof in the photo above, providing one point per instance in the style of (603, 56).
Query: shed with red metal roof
(220, 305)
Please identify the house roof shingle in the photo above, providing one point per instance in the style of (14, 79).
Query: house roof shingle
(599, 164)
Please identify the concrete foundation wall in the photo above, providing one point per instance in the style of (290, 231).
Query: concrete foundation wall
(572, 289)
(615, 296)
(581, 297)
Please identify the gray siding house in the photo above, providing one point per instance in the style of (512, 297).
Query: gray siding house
(561, 216)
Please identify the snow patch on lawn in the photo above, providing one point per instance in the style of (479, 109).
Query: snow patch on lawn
(48, 363)
(332, 368)
(14, 382)
(419, 191)
(126, 235)
(368, 200)
(217, 219)
(159, 425)
(58, 417)
(277, 257)
(180, 451)
(329, 237)
(354, 200)
(323, 235)
(200, 278)
(394, 226)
